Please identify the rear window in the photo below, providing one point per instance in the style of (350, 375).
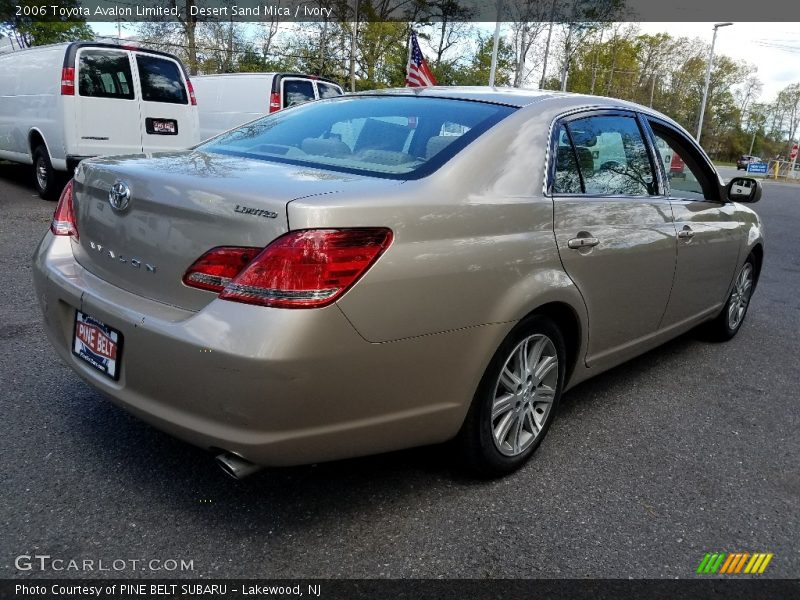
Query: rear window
(104, 74)
(386, 136)
(161, 80)
(297, 91)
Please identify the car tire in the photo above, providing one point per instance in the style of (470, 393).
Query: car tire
(44, 176)
(505, 423)
(728, 322)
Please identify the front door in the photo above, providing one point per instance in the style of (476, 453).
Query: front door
(615, 233)
(708, 233)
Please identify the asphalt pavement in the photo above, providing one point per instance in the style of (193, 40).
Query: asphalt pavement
(689, 449)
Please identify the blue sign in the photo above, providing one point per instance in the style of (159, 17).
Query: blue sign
(757, 168)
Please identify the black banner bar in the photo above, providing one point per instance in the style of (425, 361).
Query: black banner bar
(411, 589)
(578, 11)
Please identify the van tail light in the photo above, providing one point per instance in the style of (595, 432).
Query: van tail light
(217, 267)
(303, 269)
(68, 81)
(274, 102)
(190, 87)
(64, 217)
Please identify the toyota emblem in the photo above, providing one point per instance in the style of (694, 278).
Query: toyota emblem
(119, 196)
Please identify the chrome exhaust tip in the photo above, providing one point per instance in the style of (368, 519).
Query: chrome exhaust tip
(235, 466)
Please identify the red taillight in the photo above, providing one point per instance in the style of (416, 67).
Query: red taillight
(302, 269)
(64, 218)
(190, 87)
(274, 102)
(67, 81)
(217, 267)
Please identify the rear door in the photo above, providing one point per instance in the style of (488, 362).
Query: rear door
(168, 119)
(708, 231)
(107, 104)
(613, 227)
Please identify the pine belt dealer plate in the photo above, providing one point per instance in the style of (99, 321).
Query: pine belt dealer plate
(97, 344)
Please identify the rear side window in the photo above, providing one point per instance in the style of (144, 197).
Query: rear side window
(297, 91)
(328, 91)
(568, 179)
(610, 155)
(161, 80)
(105, 74)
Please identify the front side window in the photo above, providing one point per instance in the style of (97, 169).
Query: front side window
(686, 178)
(386, 136)
(297, 91)
(161, 80)
(104, 74)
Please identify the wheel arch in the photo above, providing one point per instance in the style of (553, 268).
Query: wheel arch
(568, 321)
(758, 258)
(35, 139)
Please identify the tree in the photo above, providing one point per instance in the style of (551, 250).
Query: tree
(33, 31)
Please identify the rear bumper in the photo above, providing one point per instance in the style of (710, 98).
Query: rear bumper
(276, 386)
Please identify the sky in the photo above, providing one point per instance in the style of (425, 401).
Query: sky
(754, 43)
(773, 47)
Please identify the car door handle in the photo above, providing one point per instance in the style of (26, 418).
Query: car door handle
(582, 242)
(686, 233)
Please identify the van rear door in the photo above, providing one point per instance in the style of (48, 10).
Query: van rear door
(168, 118)
(106, 104)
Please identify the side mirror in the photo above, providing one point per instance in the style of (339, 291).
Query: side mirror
(743, 189)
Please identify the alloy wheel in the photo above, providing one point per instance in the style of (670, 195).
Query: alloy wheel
(524, 394)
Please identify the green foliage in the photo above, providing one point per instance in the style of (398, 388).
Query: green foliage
(32, 31)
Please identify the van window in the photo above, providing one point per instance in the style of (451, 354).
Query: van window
(161, 80)
(297, 91)
(104, 74)
(328, 91)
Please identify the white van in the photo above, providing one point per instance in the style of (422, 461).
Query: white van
(226, 101)
(62, 103)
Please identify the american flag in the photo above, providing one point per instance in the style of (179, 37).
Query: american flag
(417, 72)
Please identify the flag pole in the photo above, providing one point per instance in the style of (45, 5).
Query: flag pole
(408, 59)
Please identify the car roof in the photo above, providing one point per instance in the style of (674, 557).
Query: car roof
(548, 102)
(517, 97)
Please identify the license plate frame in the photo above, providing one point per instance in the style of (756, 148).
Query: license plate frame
(97, 344)
(161, 126)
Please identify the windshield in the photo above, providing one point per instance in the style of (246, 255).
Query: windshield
(398, 137)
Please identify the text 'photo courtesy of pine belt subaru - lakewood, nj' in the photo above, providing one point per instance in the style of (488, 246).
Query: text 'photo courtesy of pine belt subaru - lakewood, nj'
(392, 269)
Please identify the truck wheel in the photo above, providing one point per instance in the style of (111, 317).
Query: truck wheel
(45, 177)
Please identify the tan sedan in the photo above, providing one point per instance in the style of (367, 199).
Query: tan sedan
(392, 269)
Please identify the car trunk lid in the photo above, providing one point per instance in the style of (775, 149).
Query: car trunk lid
(180, 206)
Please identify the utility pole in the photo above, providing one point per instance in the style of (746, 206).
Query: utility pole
(496, 43)
(595, 61)
(652, 88)
(547, 46)
(708, 80)
(353, 52)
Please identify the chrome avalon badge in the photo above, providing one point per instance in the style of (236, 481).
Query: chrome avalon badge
(119, 196)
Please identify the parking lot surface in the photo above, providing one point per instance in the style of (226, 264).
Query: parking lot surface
(689, 449)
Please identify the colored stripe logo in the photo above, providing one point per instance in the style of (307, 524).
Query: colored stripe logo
(734, 563)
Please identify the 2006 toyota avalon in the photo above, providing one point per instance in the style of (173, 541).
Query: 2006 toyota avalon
(392, 269)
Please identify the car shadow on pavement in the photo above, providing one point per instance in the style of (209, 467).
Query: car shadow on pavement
(125, 453)
(17, 173)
